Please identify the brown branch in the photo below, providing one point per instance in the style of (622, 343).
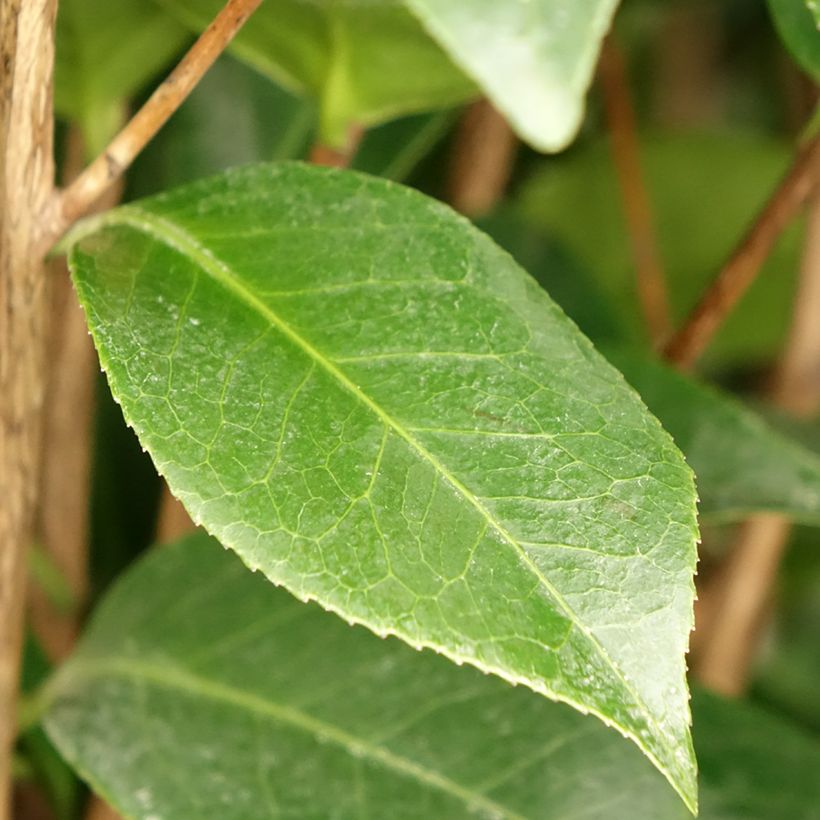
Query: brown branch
(620, 114)
(483, 157)
(173, 520)
(106, 169)
(746, 260)
(738, 598)
(341, 157)
(26, 188)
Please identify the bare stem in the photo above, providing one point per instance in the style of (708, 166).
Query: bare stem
(746, 260)
(106, 169)
(483, 158)
(26, 188)
(620, 114)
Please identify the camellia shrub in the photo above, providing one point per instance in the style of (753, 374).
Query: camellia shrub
(447, 370)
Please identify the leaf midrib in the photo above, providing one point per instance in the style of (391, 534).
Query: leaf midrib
(176, 237)
(182, 680)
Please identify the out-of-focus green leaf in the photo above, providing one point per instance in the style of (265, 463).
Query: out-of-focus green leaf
(372, 403)
(742, 464)
(533, 58)
(704, 191)
(106, 51)
(41, 760)
(798, 24)
(234, 116)
(195, 672)
(394, 149)
(789, 666)
(362, 61)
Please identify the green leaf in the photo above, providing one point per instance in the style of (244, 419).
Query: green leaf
(200, 691)
(106, 51)
(562, 275)
(704, 191)
(372, 403)
(742, 464)
(363, 61)
(533, 58)
(814, 7)
(798, 24)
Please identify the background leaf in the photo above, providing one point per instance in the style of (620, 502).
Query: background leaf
(362, 61)
(106, 51)
(533, 58)
(742, 464)
(798, 24)
(367, 399)
(269, 708)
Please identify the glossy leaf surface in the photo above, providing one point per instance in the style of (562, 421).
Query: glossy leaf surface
(196, 672)
(533, 58)
(362, 61)
(742, 464)
(360, 393)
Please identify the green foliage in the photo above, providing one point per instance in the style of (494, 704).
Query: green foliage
(285, 711)
(106, 51)
(371, 403)
(704, 190)
(798, 24)
(533, 58)
(726, 443)
(363, 62)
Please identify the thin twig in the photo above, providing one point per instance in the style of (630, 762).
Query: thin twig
(103, 172)
(740, 594)
(620, 114)
(746, 260)
(483, 157)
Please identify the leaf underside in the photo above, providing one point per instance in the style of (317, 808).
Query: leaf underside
(371, 403)
(194, 671)
(533, 58)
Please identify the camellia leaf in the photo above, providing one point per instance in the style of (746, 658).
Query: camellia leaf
(197, 672)
(368, 400)
(363, 61)
(743, 464)
(533, 58)
(106, 51)
(798, 24)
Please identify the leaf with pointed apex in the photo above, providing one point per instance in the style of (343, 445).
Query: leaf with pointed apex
(798, 24)
(742, 464)
(269, 708)
(363, 61)
(533, 58)
(368, 400)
